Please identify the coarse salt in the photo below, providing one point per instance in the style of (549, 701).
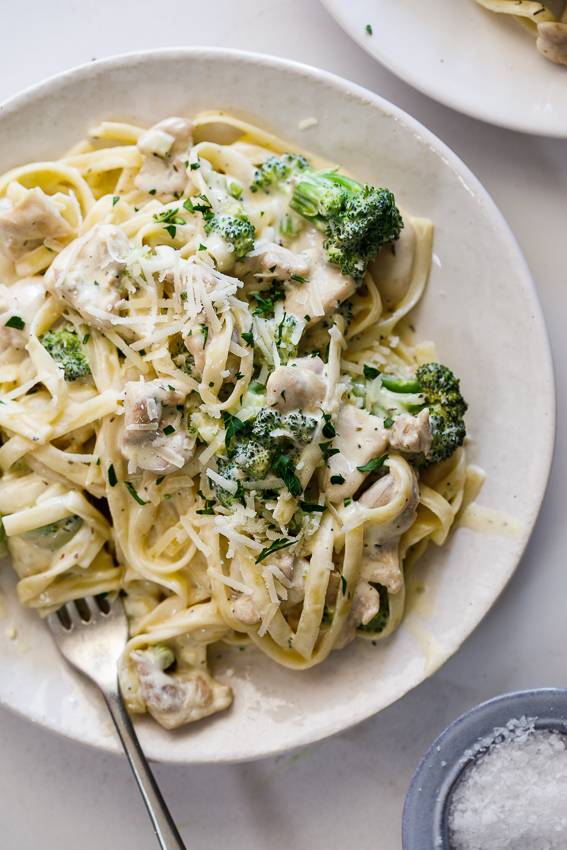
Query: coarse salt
(514, 794)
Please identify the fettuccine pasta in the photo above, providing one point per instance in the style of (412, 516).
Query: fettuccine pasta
(205, 410)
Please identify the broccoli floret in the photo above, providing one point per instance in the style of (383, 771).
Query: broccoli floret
(446, 410)
(278, 170)
(286, 335)
(434, 387)
(238, 231)
(253, 458)
(229, 470)
(67, 350)
(182, 358)
(265, 422)
(161, 655)
(299, 426)
(357, 219)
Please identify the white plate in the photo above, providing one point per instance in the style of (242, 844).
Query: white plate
(480, 306)
(459, 53)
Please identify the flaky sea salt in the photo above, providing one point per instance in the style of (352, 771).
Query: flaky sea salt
(514, 796)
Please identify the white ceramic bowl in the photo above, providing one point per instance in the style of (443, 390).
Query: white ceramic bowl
(461, 54)
(481, 308)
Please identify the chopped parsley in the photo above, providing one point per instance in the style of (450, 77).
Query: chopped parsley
(15, 322)
(283, 466)
(132, 490)
(337, 479)
(370, 372)
(310, 507)
(373, 464)
(282, 543)
(112, 475)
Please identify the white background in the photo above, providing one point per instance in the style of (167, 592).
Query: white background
(348, 791)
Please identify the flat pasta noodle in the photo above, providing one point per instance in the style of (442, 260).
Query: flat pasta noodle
(184, 378)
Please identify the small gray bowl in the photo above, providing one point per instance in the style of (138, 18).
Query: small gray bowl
(426, 810)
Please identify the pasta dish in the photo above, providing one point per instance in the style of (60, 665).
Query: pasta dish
(547, 22)
(213, 400)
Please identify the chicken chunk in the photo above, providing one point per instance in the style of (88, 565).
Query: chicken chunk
(392, 268)
(164, 148)
(244, 610)
(380, 550)
(86, 274)
(196, 343)
(326, 289)
(150, 411)
(274, 261)
(300, 384)
(24, 298)
(552, 41)
(25, 225)
(177, 698)
(360, 437)
(411, 433)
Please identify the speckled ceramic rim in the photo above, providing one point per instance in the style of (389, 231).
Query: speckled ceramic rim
(426, 808)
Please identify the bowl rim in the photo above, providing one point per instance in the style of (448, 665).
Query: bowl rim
(426, 808)
(57, 83)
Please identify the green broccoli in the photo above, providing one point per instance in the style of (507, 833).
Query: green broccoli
(270, 441)
(299, 426)
(161, 655)
(180, 356)
(264, 423)
(286, 335)
(278, 170)
(238, 231)
(253, 458)
(435, 387)
(357, 219)
(67, 350)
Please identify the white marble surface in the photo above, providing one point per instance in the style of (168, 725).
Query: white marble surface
(348, 791)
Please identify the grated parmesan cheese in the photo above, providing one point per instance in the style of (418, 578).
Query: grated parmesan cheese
(513, 797)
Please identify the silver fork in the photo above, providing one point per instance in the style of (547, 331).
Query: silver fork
(91, 633)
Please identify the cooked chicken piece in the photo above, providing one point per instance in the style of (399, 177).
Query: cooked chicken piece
(552, 41)
(87, 273)
(165, 148)
(196, 343)
(180, 697)
(150, 410)
(411, 433)
(24, 226)
(25, 297)
(392, 268)
(324, 278)
(275, 261)
(380, 550)
(244, 610)
(300, 384)
(360, 437)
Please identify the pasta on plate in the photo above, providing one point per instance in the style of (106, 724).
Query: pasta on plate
(213, 402)
(547, 22)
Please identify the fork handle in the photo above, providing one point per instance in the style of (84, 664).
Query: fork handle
(164, 828)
